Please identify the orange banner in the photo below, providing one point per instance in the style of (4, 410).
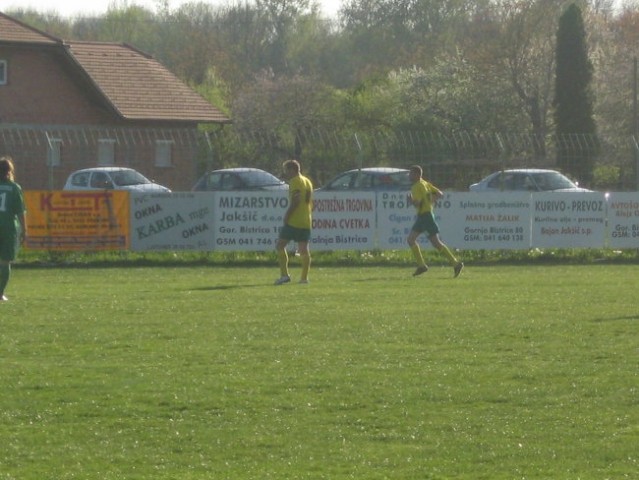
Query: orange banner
(77, 220)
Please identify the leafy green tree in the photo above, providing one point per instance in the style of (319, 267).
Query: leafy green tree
(574, 120)
(285, 114)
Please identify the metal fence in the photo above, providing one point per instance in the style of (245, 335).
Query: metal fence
(452, 161)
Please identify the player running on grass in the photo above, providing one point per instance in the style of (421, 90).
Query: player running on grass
(297, 222)
(423, 195)
(12, 221)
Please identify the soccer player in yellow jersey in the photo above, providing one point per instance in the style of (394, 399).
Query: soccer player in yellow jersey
(297, 221)
(423, 195)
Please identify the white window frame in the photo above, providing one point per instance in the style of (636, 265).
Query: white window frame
(54, 155)
(164, 153)
(106, 152)
(3, 72)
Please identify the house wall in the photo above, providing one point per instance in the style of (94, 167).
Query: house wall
(41, 90)
(79, 148)
(42, 93)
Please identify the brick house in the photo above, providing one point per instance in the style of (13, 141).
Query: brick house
(66, 105)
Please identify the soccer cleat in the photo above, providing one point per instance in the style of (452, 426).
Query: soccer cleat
(458, 269)
(421, 269)
(282, 280)
(304, 281)
(3, 299)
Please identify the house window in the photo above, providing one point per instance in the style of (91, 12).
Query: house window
(53, 152)
(106, 152)
(3, 72)
(163, 153)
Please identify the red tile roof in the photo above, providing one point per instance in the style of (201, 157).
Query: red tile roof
(12, 30)
(136, 85)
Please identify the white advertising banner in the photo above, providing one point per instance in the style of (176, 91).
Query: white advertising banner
(248, 221)
(483, 221)
(623, 220)
(469, 221)
(568, 220)
(395, 217)
(343, 221)
(251, 221)
(171, 221)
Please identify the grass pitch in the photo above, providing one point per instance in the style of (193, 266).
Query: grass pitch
(366, 373)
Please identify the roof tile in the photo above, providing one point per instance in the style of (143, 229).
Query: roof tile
(138, 86)
(135, 84)
(12, 30)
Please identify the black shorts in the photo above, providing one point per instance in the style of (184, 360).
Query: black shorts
(295, 234)
(426, 223)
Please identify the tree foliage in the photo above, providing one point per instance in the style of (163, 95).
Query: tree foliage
(574, 121)
(434, 65)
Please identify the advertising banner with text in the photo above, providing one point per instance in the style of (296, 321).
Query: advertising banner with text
(343, 221)
(78, 220)
(568, 220)
(487, 220)
(251, 221)
(395, 217)
(623, 220)
(172, 221)
(247, 221)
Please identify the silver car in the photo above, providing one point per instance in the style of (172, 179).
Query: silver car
(527, 180)
(375, 179)
(228, 179)
(111, 178)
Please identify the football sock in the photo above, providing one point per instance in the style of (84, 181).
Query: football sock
(417, 253)
(306, 266)
(5, 273)
(449, 255)
(282, 260)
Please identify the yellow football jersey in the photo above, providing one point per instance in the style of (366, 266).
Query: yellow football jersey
(421, 192)
(301, 216)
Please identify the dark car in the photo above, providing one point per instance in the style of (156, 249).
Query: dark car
(526, 180)
(375, 179)
(228, 179)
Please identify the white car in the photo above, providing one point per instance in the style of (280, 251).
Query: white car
(526, 180)
(111, 178)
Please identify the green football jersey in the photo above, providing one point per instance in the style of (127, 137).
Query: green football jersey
(11, 206)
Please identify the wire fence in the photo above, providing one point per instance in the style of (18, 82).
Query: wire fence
(45, 155)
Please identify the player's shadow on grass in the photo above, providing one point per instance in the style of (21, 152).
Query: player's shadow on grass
(215, 288)
(616, 319)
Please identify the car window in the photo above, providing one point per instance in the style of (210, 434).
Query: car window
(343, 182)
(254, 179)
(391, 180)
(230, 181)
(212, 181)
(124, 178)
(362, 181)
(553, 181)
(100, 180)
(501, 181)
(522, 182)
(80, 179)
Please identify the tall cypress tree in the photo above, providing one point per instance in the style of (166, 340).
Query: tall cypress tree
(577, 145)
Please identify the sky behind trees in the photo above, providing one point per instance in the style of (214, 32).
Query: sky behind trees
(70, 8)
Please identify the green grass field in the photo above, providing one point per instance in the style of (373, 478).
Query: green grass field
(185, 372)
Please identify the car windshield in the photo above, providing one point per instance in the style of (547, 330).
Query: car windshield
(259, 179)
(364, 180)
(552, 181)
(395, 179)
(125, 178)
